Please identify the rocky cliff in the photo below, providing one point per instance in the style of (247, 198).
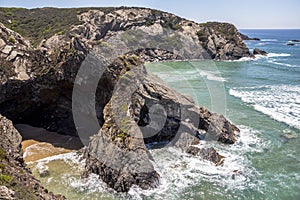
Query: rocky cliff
(38, 71)
(16, 181)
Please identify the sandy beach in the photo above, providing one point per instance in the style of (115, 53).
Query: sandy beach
(39, 143)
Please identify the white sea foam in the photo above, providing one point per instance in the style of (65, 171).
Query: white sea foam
(282, 64)
(290, 41)
(180, 170)
(280, 102)
(262, 44)
(271, 55)
(269, 40)
(258, 57)
(213, 76)
(72, 159)
(90, 184)
(245, 59)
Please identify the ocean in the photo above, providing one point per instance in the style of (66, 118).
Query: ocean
(261, 96)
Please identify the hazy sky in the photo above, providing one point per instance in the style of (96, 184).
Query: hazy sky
(244, 14)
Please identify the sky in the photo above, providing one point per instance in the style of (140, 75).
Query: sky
(253, 14)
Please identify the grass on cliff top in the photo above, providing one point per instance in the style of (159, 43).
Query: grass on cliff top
(39, 23)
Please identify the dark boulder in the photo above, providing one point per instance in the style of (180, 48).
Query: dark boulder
(217, 127)
(257, 51)
(209, 154)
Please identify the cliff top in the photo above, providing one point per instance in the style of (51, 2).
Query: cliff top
(41, 23)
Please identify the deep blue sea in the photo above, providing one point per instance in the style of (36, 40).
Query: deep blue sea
(261, 96)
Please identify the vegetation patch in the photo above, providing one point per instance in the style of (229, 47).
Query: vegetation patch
(2, 154)
(202, 36)
(172, 23)
(227, 30)
(40, 23)
(5, 179)
(12, 40)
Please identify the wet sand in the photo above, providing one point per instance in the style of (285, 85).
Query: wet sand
(39, 143)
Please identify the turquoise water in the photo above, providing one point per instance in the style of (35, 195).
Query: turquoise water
(261, 96)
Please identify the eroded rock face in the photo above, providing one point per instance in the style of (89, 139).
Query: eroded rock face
(217, 127)
(120, 160)
(143, 112)
(43, 99)
(44, 78)
(222, 41)
(16, 181)
(13, 49)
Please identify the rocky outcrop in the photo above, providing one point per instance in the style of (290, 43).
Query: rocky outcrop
(217, 127)
(153, 115)
(14, 56)
(134, 109)
(209, 154)
(49, 69)
(16, 181)
(293, 42)
(257, 51)
(47, 90)
(222, 41)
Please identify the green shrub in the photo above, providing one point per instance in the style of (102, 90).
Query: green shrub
(37, 24)
(2, 154)
(60, 33)
(202, 36)
(11, 39)
(5, 179)
(176, 26)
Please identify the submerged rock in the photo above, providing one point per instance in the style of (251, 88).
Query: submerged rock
(43, 170)
(209, 154)
(289, 136)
